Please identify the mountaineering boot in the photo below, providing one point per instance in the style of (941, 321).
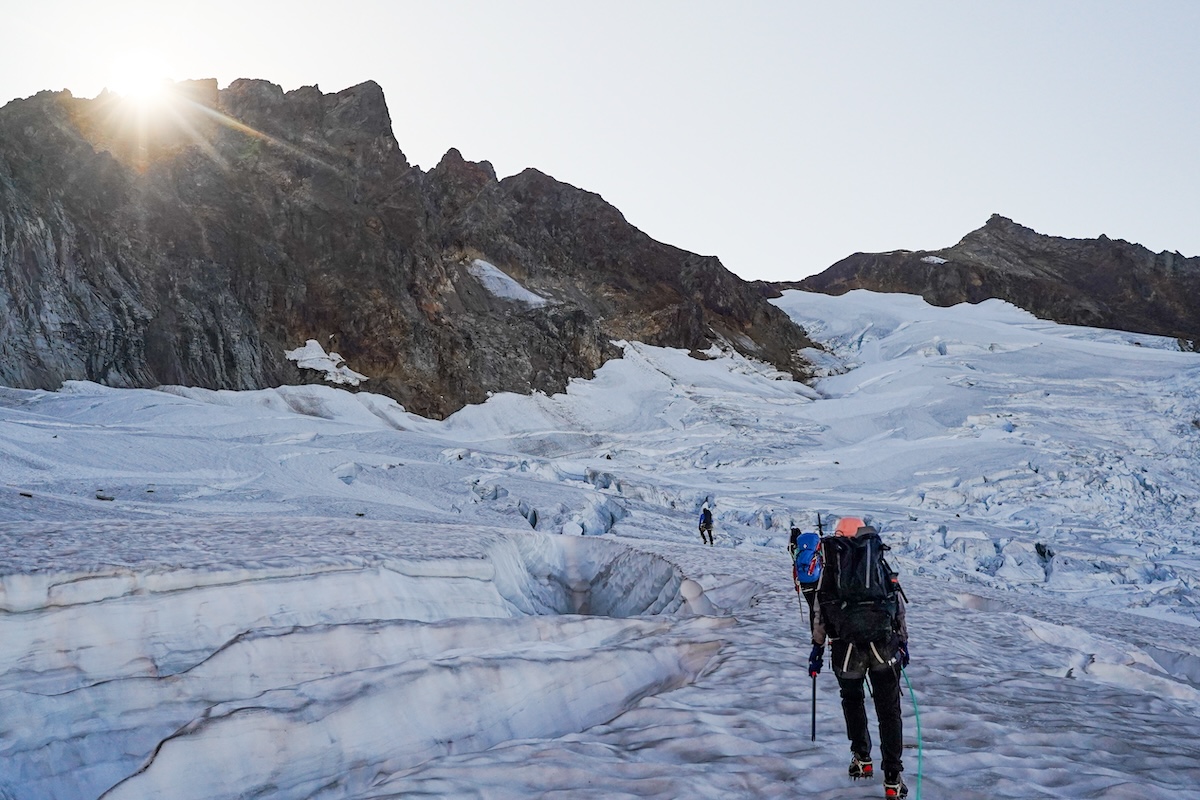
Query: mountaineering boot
(860, 767)
(893, 787)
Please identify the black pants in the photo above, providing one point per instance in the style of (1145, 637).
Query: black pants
(885, 685)
(706, 530)
(809, 594)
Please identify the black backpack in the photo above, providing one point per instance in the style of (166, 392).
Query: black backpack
(858, 592)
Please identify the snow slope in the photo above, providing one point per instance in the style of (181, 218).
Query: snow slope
(303, 592)
(496, 282)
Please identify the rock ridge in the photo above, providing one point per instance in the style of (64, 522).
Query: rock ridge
(1102, 282)
(197, 243)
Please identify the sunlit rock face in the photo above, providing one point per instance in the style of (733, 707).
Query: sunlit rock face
(1103, 282)
(197, 240)
(236, 670)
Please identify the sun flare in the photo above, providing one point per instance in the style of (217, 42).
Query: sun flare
(139, 77)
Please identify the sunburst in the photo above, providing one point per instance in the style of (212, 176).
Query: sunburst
(144, 115)
(139, 77)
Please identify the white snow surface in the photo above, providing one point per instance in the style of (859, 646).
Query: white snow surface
(304, 592)
(501, 285)
(313, 356)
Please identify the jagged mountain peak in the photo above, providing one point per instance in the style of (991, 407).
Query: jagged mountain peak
(201, 247)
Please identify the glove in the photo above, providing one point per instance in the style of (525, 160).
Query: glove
(815, 659)
(902, 654)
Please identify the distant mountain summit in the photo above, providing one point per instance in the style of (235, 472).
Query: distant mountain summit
(202, 240)
(1106, 283)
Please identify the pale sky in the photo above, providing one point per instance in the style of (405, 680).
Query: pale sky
(779, 136)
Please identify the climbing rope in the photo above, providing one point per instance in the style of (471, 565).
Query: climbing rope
(917, 714)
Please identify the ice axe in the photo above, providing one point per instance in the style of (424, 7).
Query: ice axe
(814, 709)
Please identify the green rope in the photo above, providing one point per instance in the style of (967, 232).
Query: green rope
(917, 714)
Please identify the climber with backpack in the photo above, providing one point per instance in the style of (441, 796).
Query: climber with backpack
(860, 612)
(706, 524)
(805, 550)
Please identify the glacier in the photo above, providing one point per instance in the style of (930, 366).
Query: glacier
(308, 592)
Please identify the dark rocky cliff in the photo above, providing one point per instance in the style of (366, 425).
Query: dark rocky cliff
(1106, 283)
(197, 242)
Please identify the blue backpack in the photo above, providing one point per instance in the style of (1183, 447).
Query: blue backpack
(808, 559)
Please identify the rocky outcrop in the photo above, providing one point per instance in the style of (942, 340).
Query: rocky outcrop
(1107, 283)
(197, 242)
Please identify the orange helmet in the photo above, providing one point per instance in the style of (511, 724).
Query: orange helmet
(848, 526)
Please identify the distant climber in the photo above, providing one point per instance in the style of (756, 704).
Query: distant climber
(860, 611)
(706, 524)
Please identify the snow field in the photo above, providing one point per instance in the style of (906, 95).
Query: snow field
(311, 593)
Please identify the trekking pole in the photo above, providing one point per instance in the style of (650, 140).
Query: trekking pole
(814, 709)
